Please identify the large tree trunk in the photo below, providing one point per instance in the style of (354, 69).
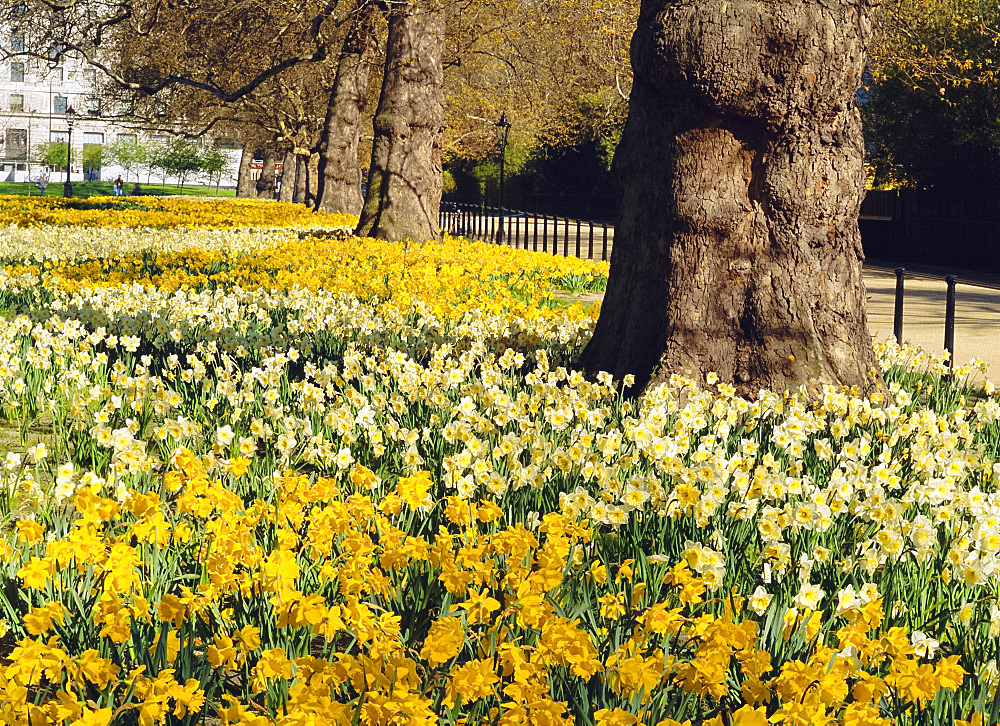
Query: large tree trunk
(404, 187)
(288, 166)
(244, 184)
(265, 183)
(339, 178)
(737, 247)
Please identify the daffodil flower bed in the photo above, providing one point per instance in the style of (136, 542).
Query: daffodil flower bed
(160, 212)
(451, 278)
(324, 485)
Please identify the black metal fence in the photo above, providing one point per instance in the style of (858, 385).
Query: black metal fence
(909, 227)
(594, 240)
(529, 231)
(597, 207)
(929, 227)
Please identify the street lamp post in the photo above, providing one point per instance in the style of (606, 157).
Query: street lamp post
(503, 128)
(70, 118)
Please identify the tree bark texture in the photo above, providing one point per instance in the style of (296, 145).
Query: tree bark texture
(404, 186)
(244, 184)
(289, 164)
(339, 179)
(737, 247)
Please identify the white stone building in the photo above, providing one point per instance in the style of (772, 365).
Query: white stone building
(34, 99)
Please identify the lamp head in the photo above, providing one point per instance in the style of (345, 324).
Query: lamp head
(503, 128)
(70, 116)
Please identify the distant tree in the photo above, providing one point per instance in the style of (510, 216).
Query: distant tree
(931, 108)
(181, 159)
(93, 156)
(51, 153)
(127, 154)
(918, 137)
(937, 44)
(213, 163)
(157, 161)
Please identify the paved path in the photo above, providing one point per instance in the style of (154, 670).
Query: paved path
(977, 315)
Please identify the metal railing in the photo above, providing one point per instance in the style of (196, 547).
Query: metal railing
(529, 231)
(594, 240)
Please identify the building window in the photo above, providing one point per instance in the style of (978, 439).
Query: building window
(127, 139)
(90, 75)
(17, 71)
(93, 138)
(56, 74)
(159, 139)
(17, 144)
(59, 137)
(59, 104)
(17, 43)
(94, 106)
(16, 103)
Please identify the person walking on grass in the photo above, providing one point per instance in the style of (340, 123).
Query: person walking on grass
(119, 187)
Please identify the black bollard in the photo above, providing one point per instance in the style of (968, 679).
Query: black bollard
(949, 320)
(897, 318)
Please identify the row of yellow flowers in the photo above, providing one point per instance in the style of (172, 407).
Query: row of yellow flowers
(452, 277)
(272, 488)
(130, 212)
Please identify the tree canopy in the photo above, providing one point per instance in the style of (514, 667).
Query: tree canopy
(932, 109)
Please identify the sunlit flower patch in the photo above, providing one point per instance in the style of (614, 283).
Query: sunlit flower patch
(449, 278)
(123, 212)
(289, 492)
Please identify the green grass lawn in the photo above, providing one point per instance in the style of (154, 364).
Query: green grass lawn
(97, 189)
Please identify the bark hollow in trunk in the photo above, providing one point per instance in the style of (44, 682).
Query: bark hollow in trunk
(737, 247)
(404, 187)
(339, 178)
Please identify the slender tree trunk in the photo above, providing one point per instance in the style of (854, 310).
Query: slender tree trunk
(288, 168)
(404, 189)
(311, 179)
(339, 179)
(244, 184)
(737, 247)
(265, 184)
(301, 178)
(299, 190)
